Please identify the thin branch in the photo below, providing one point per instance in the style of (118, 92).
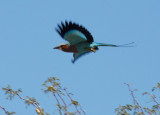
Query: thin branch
(134, 99)
(58, 103)
(65, 105)
(34, 103)
(82, 110)
(154, 99)
(72, 100)
(4, 110)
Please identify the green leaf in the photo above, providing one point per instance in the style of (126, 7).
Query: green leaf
(75, 102)
(145, 93)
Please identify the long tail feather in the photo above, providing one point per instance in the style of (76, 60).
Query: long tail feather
(126, 45)
(112, 45)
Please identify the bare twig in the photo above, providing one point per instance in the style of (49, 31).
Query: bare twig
(82, 110)
(57, 92)
(134, 99)
(34, 103)
(4, 110)
(154, 99)
(58, 103)
(72, 101)
(65, 105)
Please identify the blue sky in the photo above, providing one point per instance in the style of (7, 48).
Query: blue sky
(27, 36)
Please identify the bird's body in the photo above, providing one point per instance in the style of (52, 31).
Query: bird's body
(69, 48)
(80, 41)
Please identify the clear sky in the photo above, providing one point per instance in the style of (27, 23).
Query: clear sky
(27, 36)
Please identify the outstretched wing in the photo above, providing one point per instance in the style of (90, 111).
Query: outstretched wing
(78, 55)
(74, 33)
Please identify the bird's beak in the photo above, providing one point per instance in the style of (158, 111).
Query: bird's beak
(56, 47)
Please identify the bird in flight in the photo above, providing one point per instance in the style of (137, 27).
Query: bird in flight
(80, 41)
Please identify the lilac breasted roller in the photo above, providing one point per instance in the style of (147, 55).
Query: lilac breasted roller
(80, 41)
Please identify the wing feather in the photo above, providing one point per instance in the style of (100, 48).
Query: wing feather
(78, 55)
(74, 33)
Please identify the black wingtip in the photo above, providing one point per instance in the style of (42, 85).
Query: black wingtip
(73, 61)
(69, 25)
(57, 31)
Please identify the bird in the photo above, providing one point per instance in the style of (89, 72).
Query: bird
(79, 40)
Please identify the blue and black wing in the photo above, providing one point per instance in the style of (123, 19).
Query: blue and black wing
(74, 33)
(78, 55)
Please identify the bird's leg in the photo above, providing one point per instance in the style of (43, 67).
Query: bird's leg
(92, 49)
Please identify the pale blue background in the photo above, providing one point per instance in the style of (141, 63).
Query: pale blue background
(27, 36)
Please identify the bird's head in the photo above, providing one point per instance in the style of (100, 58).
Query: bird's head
(62, 47)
